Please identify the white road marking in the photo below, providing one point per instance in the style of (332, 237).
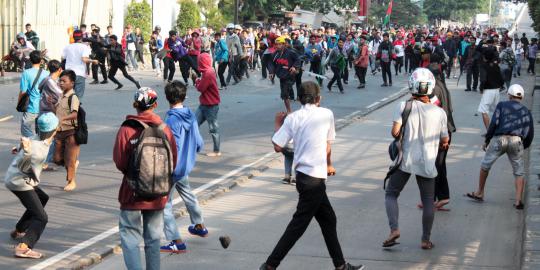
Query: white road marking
(6, 118)
(373, 105)
(60, 256)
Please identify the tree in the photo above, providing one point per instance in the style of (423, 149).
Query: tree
(215, 19)
(188, 17)
(534, 12)
(205, 6)
(140, 15)
(404, 12)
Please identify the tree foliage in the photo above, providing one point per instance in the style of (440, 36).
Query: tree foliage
(188, 17)
(215, 19)
(463, 10)
(534, 12)
(140, 15)
(404, 12)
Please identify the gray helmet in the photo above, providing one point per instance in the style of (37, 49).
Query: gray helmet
(230, 26)
(157, 27)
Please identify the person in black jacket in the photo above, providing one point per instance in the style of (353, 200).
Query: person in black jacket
(285, 64)
(490, 84)
(472, 57)
(298, 48)
(450, 47)
(385, 55)
(118, 62)
(97, 44)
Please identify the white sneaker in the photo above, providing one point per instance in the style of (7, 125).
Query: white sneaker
(213, 154)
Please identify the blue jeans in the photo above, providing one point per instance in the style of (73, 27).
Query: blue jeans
(192, 204)
(80, 84)
(289, 157)
(50, 155)
(210, 114)
(131, 232)
(132, 62)
(28, 124)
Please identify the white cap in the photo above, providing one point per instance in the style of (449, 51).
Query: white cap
(516, 90)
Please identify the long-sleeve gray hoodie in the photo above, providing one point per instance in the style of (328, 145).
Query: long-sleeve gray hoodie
(24, 172)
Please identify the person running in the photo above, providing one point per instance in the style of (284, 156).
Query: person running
(221, 56)
(423, 136)
(314, 53)
(116, 54)
(183, 124)
(77, 56)
(97, 45)
(285, 64)
(209, 100)
(312, 129)
(491, 83)
(29, 86)
(337, 61)
(385, 54)
(510, 132)
(23, 178)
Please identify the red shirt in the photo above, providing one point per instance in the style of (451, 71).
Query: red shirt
(207, 84)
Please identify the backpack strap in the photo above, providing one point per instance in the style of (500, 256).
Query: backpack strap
(405, 117)
(134, 123)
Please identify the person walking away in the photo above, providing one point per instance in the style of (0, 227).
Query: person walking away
(139, 46)
(118, 63)
(140, 217)
(314, 52)
(285, 64)
(491, 84)
(312, 129)
(423, 135)
(209, 101)
(67, 150)
(507, 62)
(131, 47)
(517, 47)
(510, 132)
(221, 56)
(361, 62)
(385, 55)
(472, 60)
(22, 178)
(183, 124)
(531, 55)
(29, 86)
(31, 36)
(336, 61)
(50, 96)
(97, 45)
(77, 55)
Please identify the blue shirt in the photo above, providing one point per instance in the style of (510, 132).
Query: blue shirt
(511, 118)
(27, 78)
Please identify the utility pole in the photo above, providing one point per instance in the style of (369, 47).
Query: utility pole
(489, 13)
(235, 12)
(83, 15)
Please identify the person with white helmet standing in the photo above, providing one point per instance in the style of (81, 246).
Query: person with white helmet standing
(510, 132)
(422, 136)
(235, 53)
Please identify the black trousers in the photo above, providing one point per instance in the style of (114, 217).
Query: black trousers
(442, 192)
(168, 68)
(531, 65)
(312, 202)
(386, 72)
(221, 70)
(345, 75)
(409, 63)
(34, 219)
(187, 62)
(398, 63)
(361, 74)
(115, 68)
(101, 65)
(234, 69)
(336, 78)
(315, 67)
(298, 80)
(139, 55)
(472, 76)
(266, 59)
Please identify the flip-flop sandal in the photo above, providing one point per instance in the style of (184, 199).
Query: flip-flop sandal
(390, 242)
(474, 197)
(519, 206)
(428, 245)
(29, 254)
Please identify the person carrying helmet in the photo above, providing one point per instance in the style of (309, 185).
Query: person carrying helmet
(421, 136)
(285, 65)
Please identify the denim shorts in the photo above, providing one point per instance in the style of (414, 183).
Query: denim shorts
(509, 145)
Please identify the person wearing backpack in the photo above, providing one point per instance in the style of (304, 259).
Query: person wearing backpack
(508, 60)
(67, 149)
(141, 210)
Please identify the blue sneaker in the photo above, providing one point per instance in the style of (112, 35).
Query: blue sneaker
(198, 231)
(173, 247)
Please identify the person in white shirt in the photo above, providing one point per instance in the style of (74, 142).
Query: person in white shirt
(517, 47)
(422, 135)
(312, 129)
(373, 48)
(77, 55)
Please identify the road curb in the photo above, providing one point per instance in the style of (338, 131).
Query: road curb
(530, 258)
(220, 189)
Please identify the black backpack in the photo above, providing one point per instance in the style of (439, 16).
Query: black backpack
(81, 130)
(151, 164)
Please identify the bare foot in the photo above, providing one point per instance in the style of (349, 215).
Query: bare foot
(70, 186)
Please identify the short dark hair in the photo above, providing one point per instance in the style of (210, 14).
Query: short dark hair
(54, 65)
(308, 93)
(173, 33)
(113, 37)
(109, 27)
(217, 34)
(35, 57)
(175, 92)
(70, 73)
(83, 25)
(27, 25)
(385, 34)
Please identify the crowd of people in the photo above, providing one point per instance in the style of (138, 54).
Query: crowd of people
(156, 153)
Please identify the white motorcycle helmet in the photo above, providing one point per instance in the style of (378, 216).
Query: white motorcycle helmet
(421, 82)
(230, 26)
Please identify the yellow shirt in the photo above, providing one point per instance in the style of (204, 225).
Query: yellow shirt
(63, 110)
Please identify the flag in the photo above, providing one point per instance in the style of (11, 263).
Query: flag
(388, 13)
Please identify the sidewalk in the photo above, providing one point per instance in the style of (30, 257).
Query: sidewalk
(10, 77)
(471, 236)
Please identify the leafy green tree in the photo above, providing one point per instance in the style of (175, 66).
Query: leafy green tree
(215, 19)
(188, 17)
(140, 15)
(534, 12)
(404, 12)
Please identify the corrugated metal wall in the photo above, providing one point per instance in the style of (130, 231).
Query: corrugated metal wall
(50, 19)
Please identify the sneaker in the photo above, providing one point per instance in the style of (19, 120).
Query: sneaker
(94, 82)
(118, 87)
(384, 85)
(264, 267)
(173, 247)
(26, 252)
(349, 266)
(467, 90)
(286, 180)
(213, 154)
(104, 82)
(198, 230)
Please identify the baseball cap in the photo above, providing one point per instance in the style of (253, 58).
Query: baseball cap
(145, 97)
(516, 90)
(47, 122)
